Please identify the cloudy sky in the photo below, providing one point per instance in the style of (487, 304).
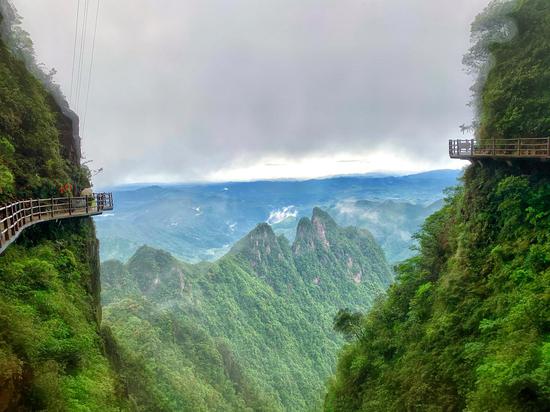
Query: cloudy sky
(194, 90)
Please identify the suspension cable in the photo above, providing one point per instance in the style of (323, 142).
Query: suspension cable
(91, 66)
(74, 48)
(81, 60)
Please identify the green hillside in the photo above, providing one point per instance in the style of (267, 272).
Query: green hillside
(258, 322)
(467, 324)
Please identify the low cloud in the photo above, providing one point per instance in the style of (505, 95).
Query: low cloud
(280, 215)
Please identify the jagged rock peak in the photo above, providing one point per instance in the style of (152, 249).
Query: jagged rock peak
(304, 228)
(322, 224)
(312, 232)
(322, 216)
(262, 233)
(261, 240)
(262, 229)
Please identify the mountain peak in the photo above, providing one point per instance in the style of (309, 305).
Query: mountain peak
(319, 213)
(263, 229)
(259, 241)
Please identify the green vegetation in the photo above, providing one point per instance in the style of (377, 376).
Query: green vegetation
(33, 158)
(252, 330)
(467, 324)
(50, 350)
(511, 53)
(516, 97)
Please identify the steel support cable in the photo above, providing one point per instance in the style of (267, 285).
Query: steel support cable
(90, 72)
(81, 60)
(74, 48)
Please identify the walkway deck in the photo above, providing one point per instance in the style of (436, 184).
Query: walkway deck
(16, 217)
(533, 148)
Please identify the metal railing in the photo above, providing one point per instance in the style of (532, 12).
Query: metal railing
(537, 148)
(15, 217)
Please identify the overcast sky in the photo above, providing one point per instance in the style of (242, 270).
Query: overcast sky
(192, 90)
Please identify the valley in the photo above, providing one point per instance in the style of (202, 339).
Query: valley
(252, 330)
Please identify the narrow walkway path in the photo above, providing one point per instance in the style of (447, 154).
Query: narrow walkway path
(533, 148)
(16, 217)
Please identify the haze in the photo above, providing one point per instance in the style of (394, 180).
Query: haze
(203, 90)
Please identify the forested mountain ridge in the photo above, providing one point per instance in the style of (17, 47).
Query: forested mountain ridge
(466, 326)
(267, 305)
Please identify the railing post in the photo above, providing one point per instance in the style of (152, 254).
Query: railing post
(5, 218)
(7, 222)
(16, 217)
(12, 223)
(31, 211)
(51, 199)
(87, 206)
(70, 206)
(471, 147)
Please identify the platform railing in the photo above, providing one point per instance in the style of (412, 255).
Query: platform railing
(17, 216)
(500, 148)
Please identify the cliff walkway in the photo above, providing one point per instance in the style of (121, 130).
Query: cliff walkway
(16, 217)
(531, 148)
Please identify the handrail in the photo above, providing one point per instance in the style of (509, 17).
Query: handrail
(17, 216)
(526, 148)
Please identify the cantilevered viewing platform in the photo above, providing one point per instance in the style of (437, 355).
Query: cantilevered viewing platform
(16, 217)
(531, 148)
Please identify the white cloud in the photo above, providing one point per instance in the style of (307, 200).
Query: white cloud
(280, 215)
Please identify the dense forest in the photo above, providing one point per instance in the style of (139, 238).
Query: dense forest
(466, 326)
(251, 331)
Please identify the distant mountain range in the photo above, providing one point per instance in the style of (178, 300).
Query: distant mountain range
(202, 221)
